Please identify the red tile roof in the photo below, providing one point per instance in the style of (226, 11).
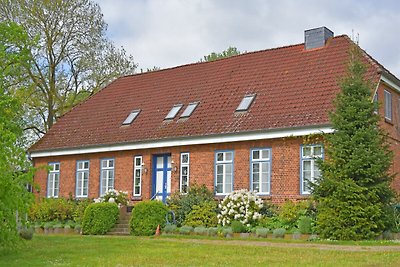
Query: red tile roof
(295, 88)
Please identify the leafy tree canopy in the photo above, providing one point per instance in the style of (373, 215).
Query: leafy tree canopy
(229, 52)
(15, 171)
(73, 58)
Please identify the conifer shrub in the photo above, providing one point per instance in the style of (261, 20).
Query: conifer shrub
(182, 204)
(204, 214)
(305, 225)
(146, 216)
(99, 218)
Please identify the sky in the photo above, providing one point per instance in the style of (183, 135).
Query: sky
(169, 33)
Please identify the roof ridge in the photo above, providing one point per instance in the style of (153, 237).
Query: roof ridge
(225, 58)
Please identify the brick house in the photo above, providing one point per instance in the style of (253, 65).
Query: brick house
(234, 123)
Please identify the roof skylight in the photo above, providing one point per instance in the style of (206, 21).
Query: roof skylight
(246, 102)
(174, 110)
(189, 110)
(131, 117)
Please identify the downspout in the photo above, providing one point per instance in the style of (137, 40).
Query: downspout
(376, 89)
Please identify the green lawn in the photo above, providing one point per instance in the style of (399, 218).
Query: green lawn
(132, 251)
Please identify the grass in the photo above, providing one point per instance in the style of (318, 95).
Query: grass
(133, 251)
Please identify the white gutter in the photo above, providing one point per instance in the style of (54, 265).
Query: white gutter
(186, 141)
(390, 83)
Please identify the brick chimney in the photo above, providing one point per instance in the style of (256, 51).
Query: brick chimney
(317, 37)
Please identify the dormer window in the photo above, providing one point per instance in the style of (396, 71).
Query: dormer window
(174, 110)
(246, 102)
(189, 110)
(131, 117)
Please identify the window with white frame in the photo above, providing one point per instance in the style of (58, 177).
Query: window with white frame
(106, 176)
(82, 178)
(137, 179)
(184, 173)
(53, 180)
(388, 105)
(223, 172)
(261, 170)
(309, 168)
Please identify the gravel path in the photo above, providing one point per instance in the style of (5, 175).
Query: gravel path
(317, 246)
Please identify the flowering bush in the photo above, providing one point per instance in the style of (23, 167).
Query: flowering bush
(114, 196)
(241, 205)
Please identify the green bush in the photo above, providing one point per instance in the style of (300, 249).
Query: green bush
(186, 230)
(212, 231)
(182, 204)
(290, 212)
(146, 216)
(304, 224)
(262, 232)
(79, 210)
(52, 209)
(238, 227)
(99, 218)
(26, 233)
(170, 229)
(279, 233)
(200, 230)
(226, 231)
(204, 214)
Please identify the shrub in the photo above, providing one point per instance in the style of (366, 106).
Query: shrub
(279, 233)
(186, 230)
(227, 231)
(170, 229)
(79, 210)
(290, 212)
(99, 218)
(268, 209)
(182, 204)
(52, 209)
(238, 227)
(204, 214)
(212, 231)
(304, 224)
(26, 233)
(262, 232)
(114, 196)
(200, 230)
(241, 205)
(146, 216)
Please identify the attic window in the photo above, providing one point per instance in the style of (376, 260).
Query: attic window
(131, 117)
(246, 102)
(189, 110)
(174, 110)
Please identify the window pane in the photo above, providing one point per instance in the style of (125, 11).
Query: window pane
(219, 188)
(189, 110)
(184, 170)
(220, 169)
(228, 156)
(111, 163)
(160, 162)
(256, 177)
(245, 103)
(104, 164)
(185, 158)
(256, 154)
(306, 151)
(256, 168)
(265, 154)
(220, 156)
(264, 187)
(228, 187)
(172, 113)
(228, 169)
(86, 164)
(138, 162)
(80, 165)
(317, 151)
(307, 165)
(220, 179)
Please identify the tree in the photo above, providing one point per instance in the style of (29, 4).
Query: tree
(229, 52)
(15, 171)
(73, 59)
(353, 194)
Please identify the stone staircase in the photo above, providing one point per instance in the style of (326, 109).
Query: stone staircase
(122, 226)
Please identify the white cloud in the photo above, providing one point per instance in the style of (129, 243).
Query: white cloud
(168, 33)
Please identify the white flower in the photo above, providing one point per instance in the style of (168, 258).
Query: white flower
(111, 200)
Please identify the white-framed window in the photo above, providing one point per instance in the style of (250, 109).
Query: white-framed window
(309, 168)
(261, 170)
(82, 178)
(106, 175)
(388, 105)
(223, 172)
(184, 173)
(137, 179)
(53, 180)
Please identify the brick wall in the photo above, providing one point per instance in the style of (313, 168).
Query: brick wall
(285, 168)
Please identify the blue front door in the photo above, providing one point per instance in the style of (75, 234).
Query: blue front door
(161, 176)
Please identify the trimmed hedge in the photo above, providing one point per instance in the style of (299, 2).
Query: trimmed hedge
(99, 218)
(146, 216)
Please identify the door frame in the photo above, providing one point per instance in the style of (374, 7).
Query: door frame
(165, 170)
